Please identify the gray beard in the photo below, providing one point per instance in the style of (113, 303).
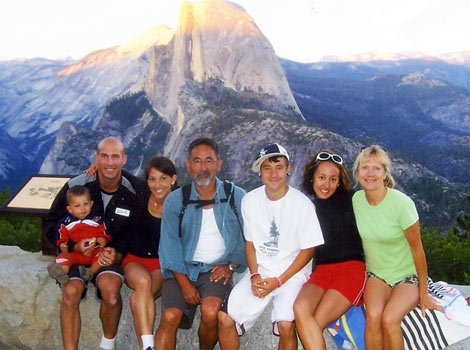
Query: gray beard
(203, 183)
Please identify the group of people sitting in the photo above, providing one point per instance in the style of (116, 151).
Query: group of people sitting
(185, 243)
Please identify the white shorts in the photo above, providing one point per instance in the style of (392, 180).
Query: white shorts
(245, 308)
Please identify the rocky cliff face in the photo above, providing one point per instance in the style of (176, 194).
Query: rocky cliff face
(216, 44)
(215, 40)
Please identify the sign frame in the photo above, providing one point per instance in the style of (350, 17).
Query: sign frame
(36, 194)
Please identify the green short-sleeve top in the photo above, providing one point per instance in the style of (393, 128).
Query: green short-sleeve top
(381, 227)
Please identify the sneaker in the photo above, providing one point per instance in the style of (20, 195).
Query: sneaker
(85, 273)
(56, 272)
(149, 348)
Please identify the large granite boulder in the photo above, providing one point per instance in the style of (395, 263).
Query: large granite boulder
(30, 302)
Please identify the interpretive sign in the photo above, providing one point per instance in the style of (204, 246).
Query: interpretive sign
(36, 195)
(35, 198)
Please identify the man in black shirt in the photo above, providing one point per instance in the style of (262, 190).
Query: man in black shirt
(114, 193)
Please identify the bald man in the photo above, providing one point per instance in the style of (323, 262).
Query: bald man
(114, 193)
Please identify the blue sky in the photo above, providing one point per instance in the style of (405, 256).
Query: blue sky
(301, 30)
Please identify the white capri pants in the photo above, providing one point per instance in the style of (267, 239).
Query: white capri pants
(245, 308)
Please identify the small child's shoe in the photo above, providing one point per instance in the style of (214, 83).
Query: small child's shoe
(85, 273)
(56, 272)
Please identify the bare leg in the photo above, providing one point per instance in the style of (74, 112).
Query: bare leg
(404, 298)
(165, 338)
(111, 303)
(332, 306)
(70, 313)
(228, 336)
(287, 335)
(376, 296)
(157, 283)
(142, 301)
(208, 336)
(310, 332)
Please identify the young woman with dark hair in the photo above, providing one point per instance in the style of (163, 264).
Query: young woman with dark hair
(339, 277)
(141, 264)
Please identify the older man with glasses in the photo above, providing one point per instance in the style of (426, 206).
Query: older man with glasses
(201, 246)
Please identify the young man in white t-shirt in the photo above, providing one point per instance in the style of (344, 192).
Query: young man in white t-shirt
(281, 228)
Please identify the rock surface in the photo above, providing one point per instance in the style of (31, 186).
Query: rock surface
(29, 312)
(30, 302)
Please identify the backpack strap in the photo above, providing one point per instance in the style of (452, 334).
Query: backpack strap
(186, 191)
(229, 194)
(230, 197)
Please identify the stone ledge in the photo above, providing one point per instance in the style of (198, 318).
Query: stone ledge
(29, 312)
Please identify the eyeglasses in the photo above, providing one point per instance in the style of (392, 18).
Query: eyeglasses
(207, 161)
(322, 156)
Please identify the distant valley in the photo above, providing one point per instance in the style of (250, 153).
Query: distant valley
(420, 116)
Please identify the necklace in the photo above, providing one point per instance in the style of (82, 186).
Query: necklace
(154, 207)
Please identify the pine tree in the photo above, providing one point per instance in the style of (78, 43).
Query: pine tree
(463, 224)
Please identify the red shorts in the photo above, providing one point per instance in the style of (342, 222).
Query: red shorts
(349, 278)
(75, 258)
(151, 264)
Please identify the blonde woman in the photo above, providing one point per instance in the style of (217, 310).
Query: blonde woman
(388, 224)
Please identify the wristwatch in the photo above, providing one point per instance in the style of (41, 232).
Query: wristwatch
(232, 266)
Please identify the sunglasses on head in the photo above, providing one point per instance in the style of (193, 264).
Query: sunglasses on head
(322, 156)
